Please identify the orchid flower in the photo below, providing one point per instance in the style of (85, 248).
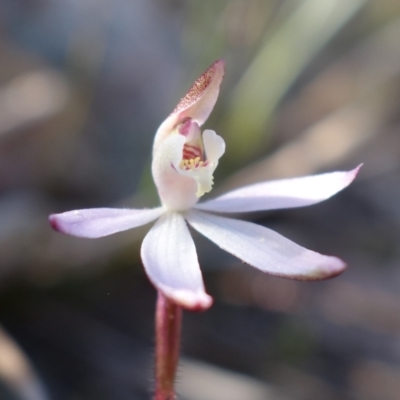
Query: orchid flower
(184, 160)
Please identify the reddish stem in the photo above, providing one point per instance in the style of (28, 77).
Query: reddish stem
(168, 334)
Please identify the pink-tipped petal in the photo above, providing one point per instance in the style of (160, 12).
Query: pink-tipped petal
(170, 260)
(265, 249)
(98, 222)
(285, 193)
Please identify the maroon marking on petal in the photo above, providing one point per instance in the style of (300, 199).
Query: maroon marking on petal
(190, 152)
(198, 307)
(54, 222)
(198, 88)
(185, 127)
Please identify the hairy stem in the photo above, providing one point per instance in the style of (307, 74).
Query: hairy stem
(168, 334)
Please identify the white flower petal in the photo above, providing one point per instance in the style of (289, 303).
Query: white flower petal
(97, 222)
(265, 249)
(286, 193)
(170, 260)
(203, 177)
(214, 146)
(198, 102)
(177, 191)
(202, 96)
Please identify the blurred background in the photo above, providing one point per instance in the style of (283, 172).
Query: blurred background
(311, 86)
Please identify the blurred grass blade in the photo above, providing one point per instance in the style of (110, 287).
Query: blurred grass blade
(278, 63)
(373, 67)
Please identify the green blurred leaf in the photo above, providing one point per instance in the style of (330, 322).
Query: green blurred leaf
(279, 62)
